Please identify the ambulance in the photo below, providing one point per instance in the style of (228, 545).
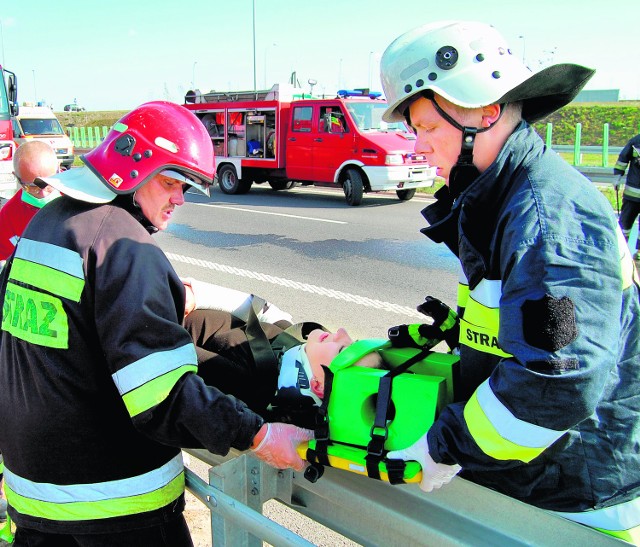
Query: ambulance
(40, 123)
(282, 137)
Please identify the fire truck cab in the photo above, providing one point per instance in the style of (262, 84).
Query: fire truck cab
(282, 138)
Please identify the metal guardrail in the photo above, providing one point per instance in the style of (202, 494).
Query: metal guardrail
(371, 512)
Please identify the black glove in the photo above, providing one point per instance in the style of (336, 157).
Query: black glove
(414, 336)
(445, 320)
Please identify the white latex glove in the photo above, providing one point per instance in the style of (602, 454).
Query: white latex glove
(279, 446)
(434, 475)
(616, 182)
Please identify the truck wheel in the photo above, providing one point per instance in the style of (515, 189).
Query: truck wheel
(406, 195)
(282, 184)
(229, 181)
(353, 187)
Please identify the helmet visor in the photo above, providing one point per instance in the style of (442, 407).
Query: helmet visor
(190, 180)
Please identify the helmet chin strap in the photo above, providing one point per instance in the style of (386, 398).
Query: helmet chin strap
(464, 172)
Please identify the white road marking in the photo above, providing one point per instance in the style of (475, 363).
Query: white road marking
(269, 213)
(298, 286)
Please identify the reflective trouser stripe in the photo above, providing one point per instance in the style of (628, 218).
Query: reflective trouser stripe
(78, 502)
(499, 434)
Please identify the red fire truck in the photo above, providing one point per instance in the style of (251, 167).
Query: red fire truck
(280, 137)
(8, 108)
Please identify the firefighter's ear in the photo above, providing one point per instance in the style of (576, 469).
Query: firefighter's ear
(317, 386)
(490, 114)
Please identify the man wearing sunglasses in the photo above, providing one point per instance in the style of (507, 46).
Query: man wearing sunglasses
(32, 160)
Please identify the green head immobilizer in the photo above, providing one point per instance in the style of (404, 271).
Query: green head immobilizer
(371, 411)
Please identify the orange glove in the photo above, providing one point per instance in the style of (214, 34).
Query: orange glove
(279, 446)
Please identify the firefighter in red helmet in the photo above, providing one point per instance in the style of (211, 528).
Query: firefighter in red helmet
(103, 390)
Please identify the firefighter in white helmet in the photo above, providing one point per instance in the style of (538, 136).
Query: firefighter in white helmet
(549, 406)
(98, 374)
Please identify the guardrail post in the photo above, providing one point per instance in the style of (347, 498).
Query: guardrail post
(576, 146)
(549, 134)
(105, 130)
(83, 137)
(605, 145)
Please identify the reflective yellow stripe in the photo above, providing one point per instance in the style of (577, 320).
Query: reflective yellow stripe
(621, 520)
(155, 391)
(631, 191)
(490, 441)
(621, 166)
(481, 339)
(90, 510)
(35, 317)
(631, 536)
(48, 279)
(480, 323)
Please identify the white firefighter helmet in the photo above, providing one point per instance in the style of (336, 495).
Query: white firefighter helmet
(470, 64)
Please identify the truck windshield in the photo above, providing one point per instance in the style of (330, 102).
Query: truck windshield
(38, 126)
(368, 117)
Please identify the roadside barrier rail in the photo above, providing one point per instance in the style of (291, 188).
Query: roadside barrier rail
(371, 512)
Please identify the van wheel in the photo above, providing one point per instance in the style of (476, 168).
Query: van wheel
(406, 195)
(282, 184)
(353, 187)
(229, 181)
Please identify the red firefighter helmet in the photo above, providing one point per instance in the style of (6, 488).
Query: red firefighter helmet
(154, 138)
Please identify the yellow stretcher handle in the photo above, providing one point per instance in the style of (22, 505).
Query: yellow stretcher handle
(353, 466)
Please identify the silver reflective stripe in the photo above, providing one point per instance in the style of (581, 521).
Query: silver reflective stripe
(488, 293)
(508, 426)
(58, 258)
(122, 488)
(615, 518)
(152, 366)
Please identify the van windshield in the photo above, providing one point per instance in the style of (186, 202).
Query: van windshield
(39, 126)
(368, 117)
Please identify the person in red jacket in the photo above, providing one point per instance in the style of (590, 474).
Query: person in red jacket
(32, 160)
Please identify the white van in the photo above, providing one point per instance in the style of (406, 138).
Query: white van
(40, 123)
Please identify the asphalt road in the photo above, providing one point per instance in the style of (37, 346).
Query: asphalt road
(365, 268)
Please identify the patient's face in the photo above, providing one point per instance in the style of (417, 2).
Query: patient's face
(323, 346)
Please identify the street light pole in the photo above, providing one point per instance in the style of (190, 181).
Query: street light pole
(35, 94)
(254, 46)
(193, 75)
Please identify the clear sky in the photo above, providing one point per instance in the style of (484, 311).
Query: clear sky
(117, 54)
